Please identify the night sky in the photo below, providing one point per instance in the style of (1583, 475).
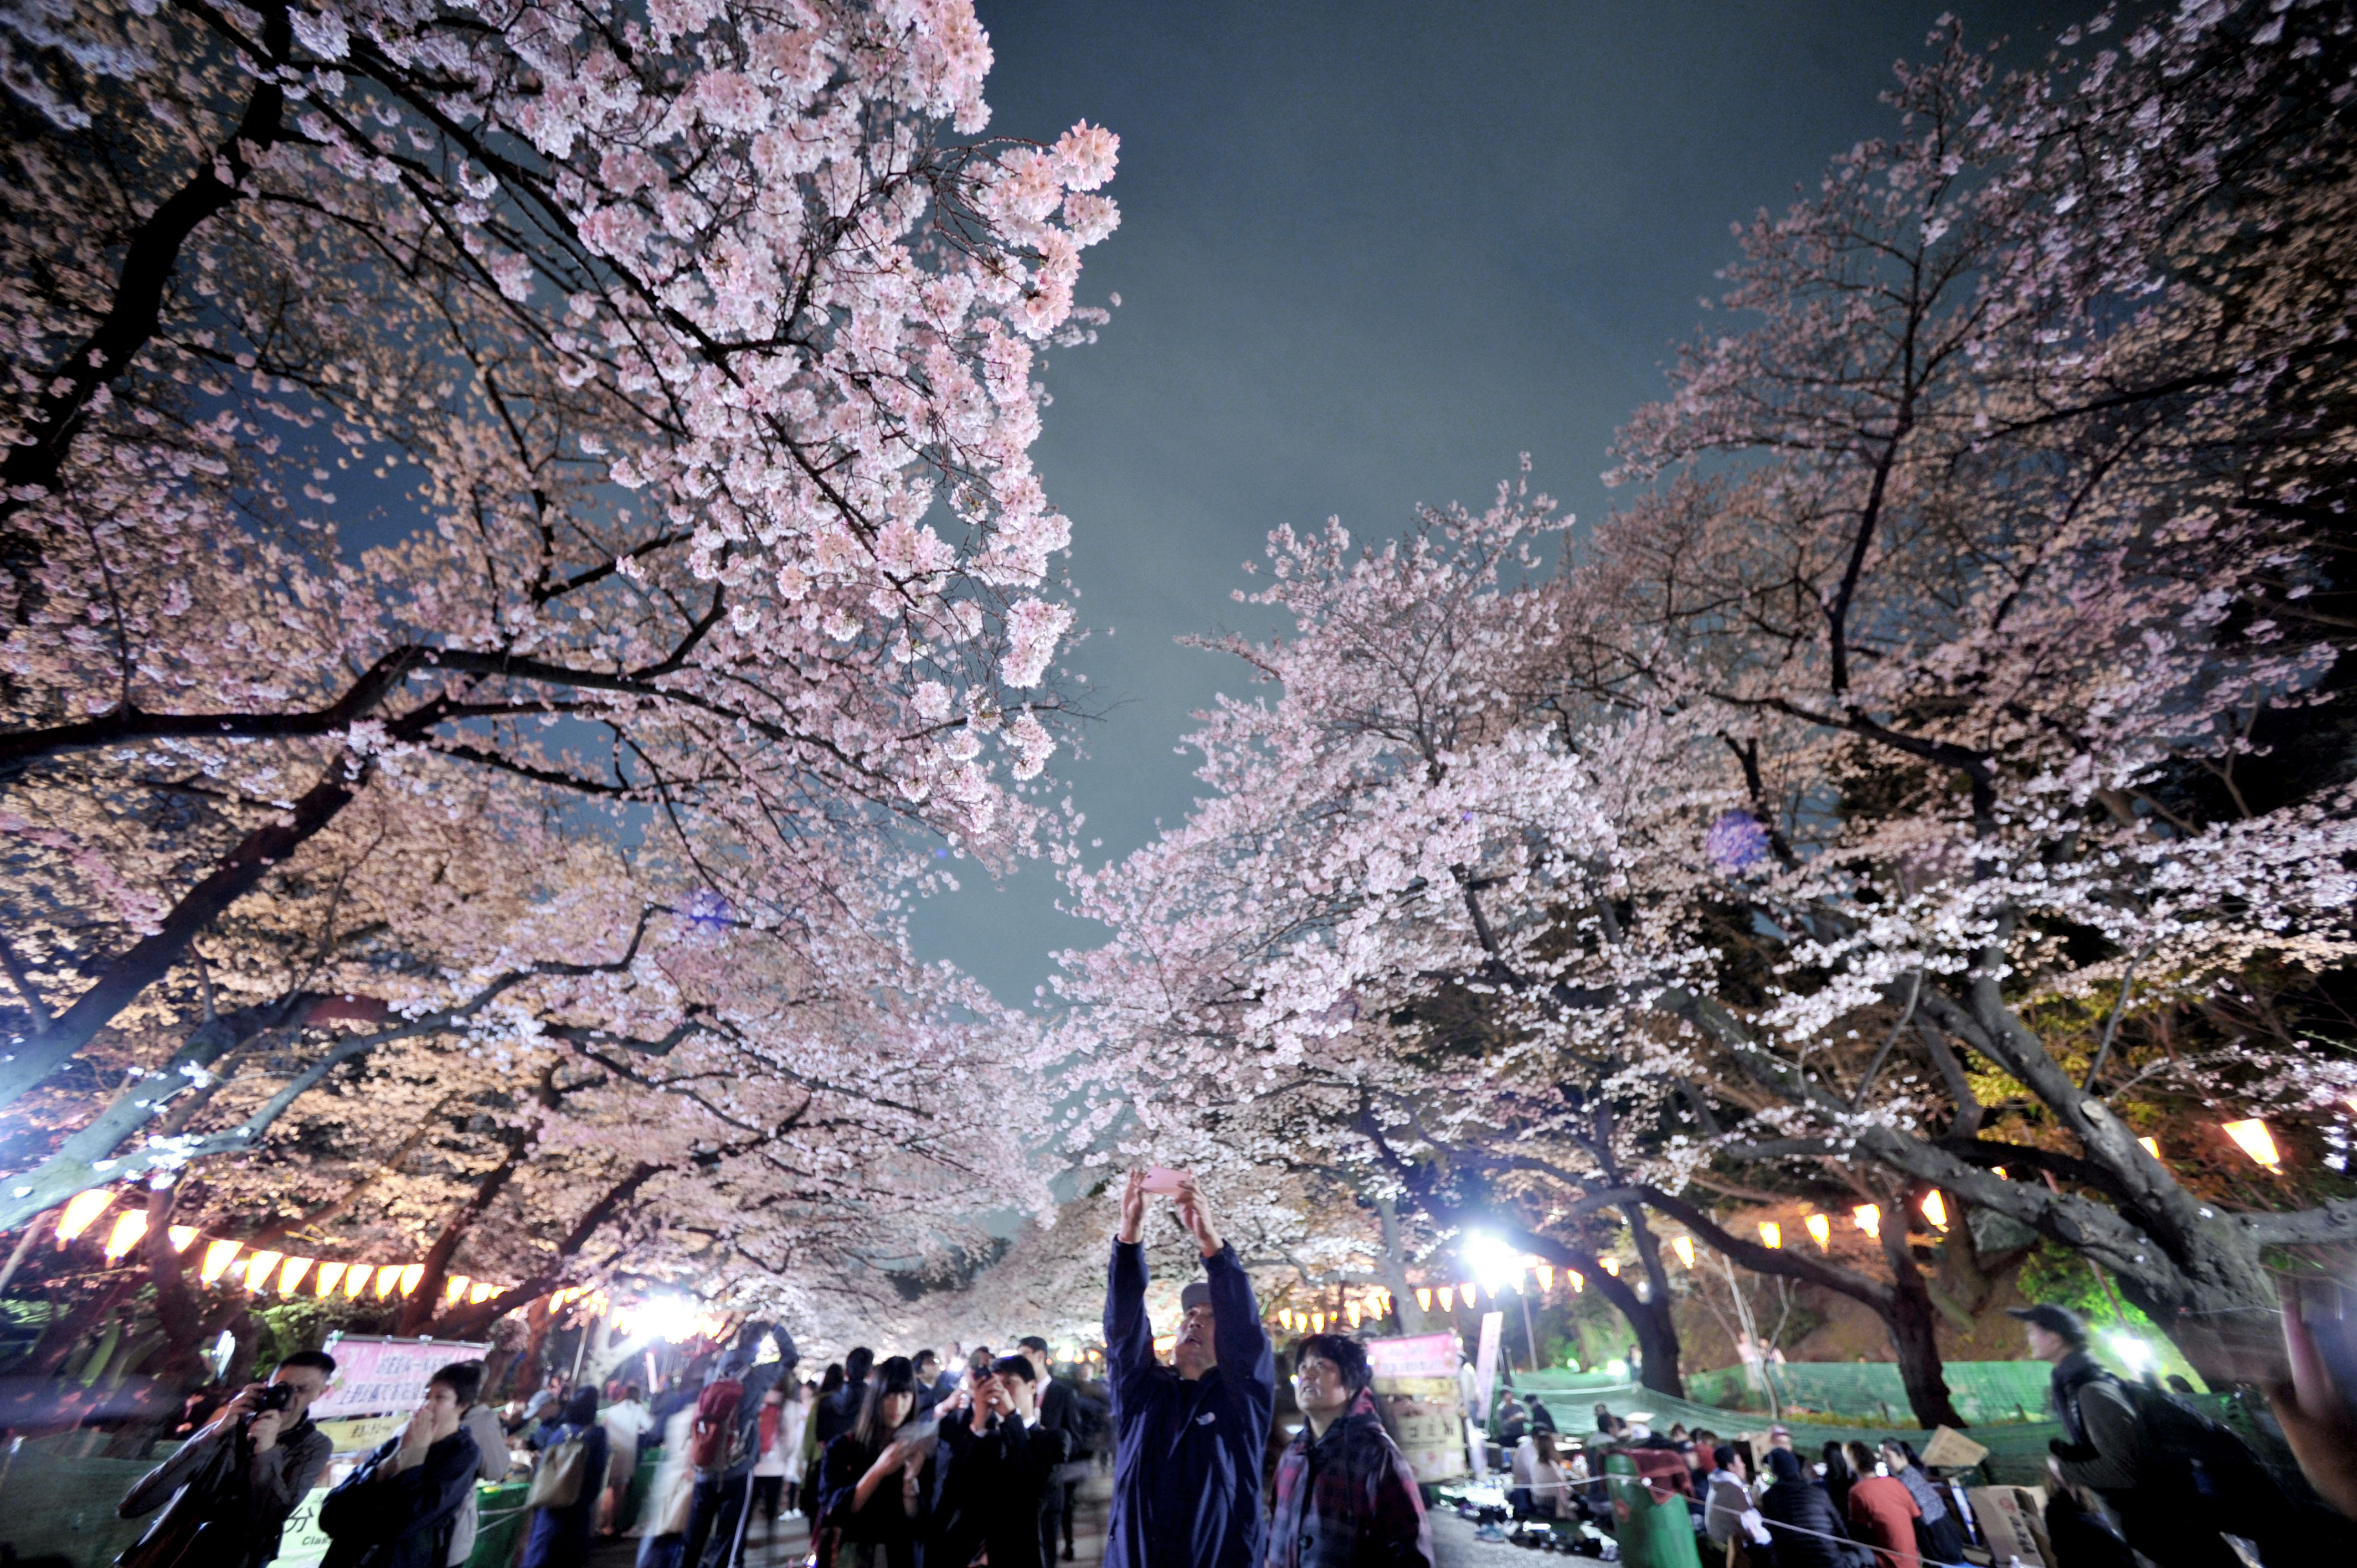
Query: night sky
(1369, 255)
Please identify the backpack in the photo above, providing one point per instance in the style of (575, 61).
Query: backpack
(717, 1440)
(2186, 1455)
(558, 1483)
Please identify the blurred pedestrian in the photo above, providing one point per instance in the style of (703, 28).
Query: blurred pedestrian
(566, 1485)
(875, 1480)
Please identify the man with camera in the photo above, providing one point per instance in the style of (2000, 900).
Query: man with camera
(228, 1490)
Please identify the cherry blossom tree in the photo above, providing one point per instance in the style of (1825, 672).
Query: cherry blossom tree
(686, 332)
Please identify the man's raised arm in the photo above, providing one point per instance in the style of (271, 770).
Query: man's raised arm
(1129, 1337)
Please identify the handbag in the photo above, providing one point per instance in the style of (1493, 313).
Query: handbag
(558, 1483)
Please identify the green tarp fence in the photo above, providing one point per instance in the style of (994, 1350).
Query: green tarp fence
(2016, 1456)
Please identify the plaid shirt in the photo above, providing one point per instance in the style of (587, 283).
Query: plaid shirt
(1349, 1500)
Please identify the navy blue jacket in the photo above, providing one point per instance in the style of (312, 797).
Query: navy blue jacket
(1186, 1476)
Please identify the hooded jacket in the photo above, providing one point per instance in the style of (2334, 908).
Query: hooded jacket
(1348, 1499)
(1186, 1476)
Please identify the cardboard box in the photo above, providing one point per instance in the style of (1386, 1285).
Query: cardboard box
(1951, 1450)
(2013, 1521)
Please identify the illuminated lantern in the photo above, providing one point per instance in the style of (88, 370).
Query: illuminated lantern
(1770, 1234)
(388, 1280)
(2254, 1139)
(1284, 1318)
(1447, 1298)
(1424, 1298)
(129, 1227)
(290, 1275)
(356, 1279)
(1547, 1277)
(2150, 1146)
(410, 1274)
(1612, 1267)
(1351, 1313)
(455, 1287)
(1821, 1229)
(1868, 1218)
(180, 1236)
(1465, 1293)
(217, 1258)
(1683, 1247)
(325, 1282)
(257, 1267)
(1936, 1209)
(480, 1292)
(82, 1212)
(1577, 1282)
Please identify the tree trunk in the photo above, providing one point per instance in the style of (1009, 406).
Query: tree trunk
(528, 1375)
(1913, 1324)
(1393, 1267)
(1657, 1333)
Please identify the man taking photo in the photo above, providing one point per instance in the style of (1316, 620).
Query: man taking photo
(237, 1479)
(1186, 1476)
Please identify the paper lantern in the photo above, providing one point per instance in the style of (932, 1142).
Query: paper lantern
(290, 1275)
(1424, 1298)
(1545, 1273)
(2150, 1146)
(330, 1276)
(2254, 1139)
(1350, 1313)
(217, 1258)
(388, 1280)
(481, 1292)
(356, 1279)
(1683, 1247)
(257, 1266)
(82, 1212)
(455, 1287)
(1577, 1282)
(1770, 1234)
(1465, 1293)
(1936, 1209)
(1821, 1231)
(410, 1274)
(1612, 1267)
(179, 1236)
(129, 1227)
(1447, 1298)
(1868, 1218)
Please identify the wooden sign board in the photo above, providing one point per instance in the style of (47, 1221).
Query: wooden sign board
(1951, 1450)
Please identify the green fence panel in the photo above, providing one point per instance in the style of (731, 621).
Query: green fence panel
(500, 1517)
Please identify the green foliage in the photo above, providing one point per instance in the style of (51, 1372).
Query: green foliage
(303, 1324)
(2055, 1273)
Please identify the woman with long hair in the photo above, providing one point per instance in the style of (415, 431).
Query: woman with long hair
(873, 1482)
(1838, 1477)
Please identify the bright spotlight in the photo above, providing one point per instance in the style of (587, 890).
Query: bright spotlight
(1498, 1266)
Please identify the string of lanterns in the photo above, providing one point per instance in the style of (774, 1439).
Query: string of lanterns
(262, 1269)
(2253, 1137)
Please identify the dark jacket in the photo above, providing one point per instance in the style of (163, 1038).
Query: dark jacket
(833, 1415)
(990, 1488)
(379, 1517)
(249, 1511)
(1808, 1513)
(560, 1537)
(1349, 1500)
(1186, 1471)
(886, 1520)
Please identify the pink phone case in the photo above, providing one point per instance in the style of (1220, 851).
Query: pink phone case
(1161, 1178)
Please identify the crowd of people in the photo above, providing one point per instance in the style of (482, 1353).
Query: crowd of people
(908, 1462)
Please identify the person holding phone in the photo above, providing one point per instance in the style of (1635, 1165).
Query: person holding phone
(1187, 1473)
(874, 1482)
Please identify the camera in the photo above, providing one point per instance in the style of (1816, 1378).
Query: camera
(277, 1396)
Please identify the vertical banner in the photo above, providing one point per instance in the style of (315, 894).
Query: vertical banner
(1485, 1378)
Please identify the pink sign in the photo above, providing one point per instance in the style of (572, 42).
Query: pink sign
(1418, 1356)
(375, 1376)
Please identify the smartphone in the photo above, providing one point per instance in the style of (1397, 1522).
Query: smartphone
(1161, 1178)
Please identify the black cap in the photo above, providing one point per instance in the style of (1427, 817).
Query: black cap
(2058, 1320)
